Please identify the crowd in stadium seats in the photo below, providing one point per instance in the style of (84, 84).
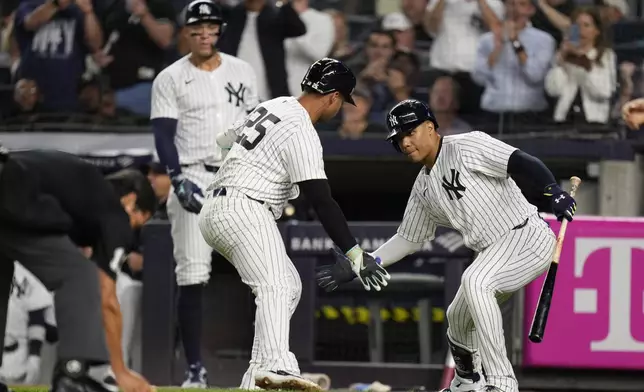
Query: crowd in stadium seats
(483, 63)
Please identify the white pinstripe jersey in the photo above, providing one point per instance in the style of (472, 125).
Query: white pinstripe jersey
(469, 190)
(204, 103)
(276, 147)
(27, 294)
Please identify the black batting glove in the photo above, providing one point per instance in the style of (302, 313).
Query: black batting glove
(189, 194)
(563, 205)
(332, 276)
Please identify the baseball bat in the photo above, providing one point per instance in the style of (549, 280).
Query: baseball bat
(543, 308)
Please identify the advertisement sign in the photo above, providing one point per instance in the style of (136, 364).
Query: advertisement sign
(597, 314)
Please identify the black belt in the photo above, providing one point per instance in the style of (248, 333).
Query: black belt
(209, 168)
(522, 225)
(222, 192)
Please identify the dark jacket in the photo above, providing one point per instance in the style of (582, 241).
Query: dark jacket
(273, 26)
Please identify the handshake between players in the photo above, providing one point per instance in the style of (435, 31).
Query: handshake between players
(356, 263)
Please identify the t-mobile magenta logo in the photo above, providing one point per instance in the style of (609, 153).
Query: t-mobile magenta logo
(622, 294)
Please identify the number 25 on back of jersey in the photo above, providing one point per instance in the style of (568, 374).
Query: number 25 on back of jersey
(255, 127)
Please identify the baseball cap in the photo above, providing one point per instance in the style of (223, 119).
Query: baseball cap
(396, 21)
(621, 5)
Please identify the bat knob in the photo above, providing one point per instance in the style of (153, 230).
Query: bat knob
(535, 338)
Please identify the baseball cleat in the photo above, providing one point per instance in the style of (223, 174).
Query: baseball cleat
(72, 376)
(196, 377)
(283, 380)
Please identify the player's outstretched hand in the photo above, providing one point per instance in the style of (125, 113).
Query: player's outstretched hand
(189, 194)
(332, 276)
(130, 381)
(563, 205)
(368, 269)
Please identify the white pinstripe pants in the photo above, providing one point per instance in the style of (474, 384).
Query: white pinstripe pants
(191, 253)
(474, 317)
(245, 232)
(130, 294)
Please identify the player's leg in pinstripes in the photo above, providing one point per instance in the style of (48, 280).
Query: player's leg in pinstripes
(257, 361)
(506, 266)
(250, 239)
(193, 257)
(128, 292)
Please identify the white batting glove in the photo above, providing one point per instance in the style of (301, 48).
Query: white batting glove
(368, 269)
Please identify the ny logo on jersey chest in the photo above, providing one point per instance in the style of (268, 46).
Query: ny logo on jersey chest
(238, 93)
(453, 185)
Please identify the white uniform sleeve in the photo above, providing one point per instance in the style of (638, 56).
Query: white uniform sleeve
(395, 249)
(252, 97)
(302, 156)
(416, 225)
(484, 154)
(164, 97)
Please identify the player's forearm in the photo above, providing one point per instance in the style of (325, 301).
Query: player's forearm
(395, 249)
(164, 130)
(526, 166)
(112, 323)
(318, 193)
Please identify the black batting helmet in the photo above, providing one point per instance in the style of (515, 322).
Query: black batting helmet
(204, 11)
(329, 75)
(405, 117)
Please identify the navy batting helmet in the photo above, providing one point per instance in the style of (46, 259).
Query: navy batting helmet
(204, 11)
(329, 75)
(405, 117)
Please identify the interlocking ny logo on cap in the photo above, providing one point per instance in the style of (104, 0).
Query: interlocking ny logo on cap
(393, 121)
(204, 9)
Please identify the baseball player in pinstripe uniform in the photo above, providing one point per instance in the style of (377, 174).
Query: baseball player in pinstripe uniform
(27, 328)
(465, 184)
(273, 155)
(193, 100)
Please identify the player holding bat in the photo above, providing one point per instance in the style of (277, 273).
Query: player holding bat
(465, 184)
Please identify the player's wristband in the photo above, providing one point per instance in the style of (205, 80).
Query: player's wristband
(552, 189)
(354, 252)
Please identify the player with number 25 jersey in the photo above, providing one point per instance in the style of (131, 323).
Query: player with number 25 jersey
(273, 155)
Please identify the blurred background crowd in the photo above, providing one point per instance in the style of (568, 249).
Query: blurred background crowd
(496, 65)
